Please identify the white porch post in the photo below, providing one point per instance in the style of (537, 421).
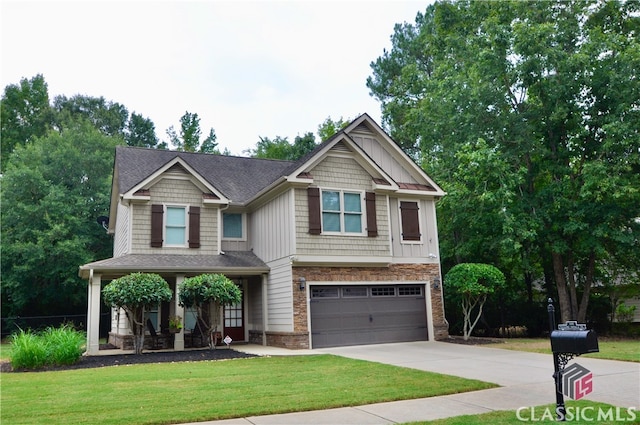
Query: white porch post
(430, 328)
(265, 309)
(178, 342)
(93, 314)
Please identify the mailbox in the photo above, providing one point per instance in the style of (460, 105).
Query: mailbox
(574, 338)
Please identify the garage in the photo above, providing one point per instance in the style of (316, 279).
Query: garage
(358, 315)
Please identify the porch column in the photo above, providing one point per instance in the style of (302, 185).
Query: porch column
(178, 342)
(265, 309)
(430, 329)
(93, 314)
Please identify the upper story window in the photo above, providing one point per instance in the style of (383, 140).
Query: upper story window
(341, 211)
(176, 226)
(233, 226)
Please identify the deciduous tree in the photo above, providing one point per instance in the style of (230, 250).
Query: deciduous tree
(473, 283)
(552, 88)
(53, 189)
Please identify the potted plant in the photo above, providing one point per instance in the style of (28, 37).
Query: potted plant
(175, 324)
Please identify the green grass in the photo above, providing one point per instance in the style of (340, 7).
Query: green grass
(627, 350)
(198, 391)
(583, 412)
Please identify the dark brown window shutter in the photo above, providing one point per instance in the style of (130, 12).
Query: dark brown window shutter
(372, 223)
(157, 212)
(315, 221)
(194, 227)
(410, 221)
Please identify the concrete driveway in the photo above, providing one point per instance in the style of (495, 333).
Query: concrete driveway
(525, 378)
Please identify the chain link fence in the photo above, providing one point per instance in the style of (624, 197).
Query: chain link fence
(10, 325)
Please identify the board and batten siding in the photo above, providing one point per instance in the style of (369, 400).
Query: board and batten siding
(272, 228)
(176, 191)
(337, 172)
(280, 297)
(429, 237)
(383, 158)
(121, 237)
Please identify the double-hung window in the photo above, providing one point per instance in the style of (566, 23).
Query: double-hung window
(233, 226)
(342, 212)
(176, 226)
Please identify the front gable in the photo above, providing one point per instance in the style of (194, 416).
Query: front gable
(382, 150)
(176, 169)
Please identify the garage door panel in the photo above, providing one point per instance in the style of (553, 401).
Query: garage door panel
(351, 320)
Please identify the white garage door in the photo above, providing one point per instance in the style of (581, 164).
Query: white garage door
(376, 314)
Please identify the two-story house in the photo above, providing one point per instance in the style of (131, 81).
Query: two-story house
(337, 248)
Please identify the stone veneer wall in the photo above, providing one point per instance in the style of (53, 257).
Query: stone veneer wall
(299, 338)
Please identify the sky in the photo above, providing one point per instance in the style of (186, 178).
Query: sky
(249, 69)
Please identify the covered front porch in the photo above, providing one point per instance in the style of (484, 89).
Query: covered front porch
(244, 322)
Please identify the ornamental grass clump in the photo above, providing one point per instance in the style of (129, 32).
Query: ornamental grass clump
(64, 345)
(52, 347)
(28, 350)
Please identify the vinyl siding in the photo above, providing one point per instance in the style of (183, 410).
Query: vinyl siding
(121, 237)
(180, 192)
(280, 297)
(429, 242)
(341, 173)
(271, 228)
(382, 157)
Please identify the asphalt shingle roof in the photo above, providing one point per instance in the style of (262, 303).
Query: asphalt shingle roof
(229, 261)
(238, 178)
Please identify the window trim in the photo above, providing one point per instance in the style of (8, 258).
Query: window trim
(243, 221)
(185, 208)
(362, 214)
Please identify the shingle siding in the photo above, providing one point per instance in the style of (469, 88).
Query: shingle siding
(180, 192)
(341, 173)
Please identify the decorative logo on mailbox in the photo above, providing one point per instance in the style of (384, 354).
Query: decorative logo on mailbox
(577, 381)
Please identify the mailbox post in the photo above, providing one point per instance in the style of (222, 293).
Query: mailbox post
(568, 341)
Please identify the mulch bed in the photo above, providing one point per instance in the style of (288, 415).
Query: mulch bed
(473, 340)
(145, 357)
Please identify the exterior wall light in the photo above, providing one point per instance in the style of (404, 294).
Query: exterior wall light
(303, 282)
(436, 283)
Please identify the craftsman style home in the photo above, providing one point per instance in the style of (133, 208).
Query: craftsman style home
(337, 248)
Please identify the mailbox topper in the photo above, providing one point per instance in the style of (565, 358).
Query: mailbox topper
(574, 338)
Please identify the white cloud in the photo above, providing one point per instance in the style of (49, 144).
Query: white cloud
(248, 69)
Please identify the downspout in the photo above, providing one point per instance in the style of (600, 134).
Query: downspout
(220, 211)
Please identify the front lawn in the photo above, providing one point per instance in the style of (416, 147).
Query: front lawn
(164, 393)
(627, 350)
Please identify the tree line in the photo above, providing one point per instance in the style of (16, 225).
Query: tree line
(57, 159)
(528, 115)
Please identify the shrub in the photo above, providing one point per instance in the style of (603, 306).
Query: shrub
(53, 347)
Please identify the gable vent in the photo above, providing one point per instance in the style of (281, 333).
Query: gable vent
(340, 147)
(362, 128)
(177, 168)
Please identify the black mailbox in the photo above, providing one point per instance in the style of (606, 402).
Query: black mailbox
(574, 338)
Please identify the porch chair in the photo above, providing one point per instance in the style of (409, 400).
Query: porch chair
(157, 341)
